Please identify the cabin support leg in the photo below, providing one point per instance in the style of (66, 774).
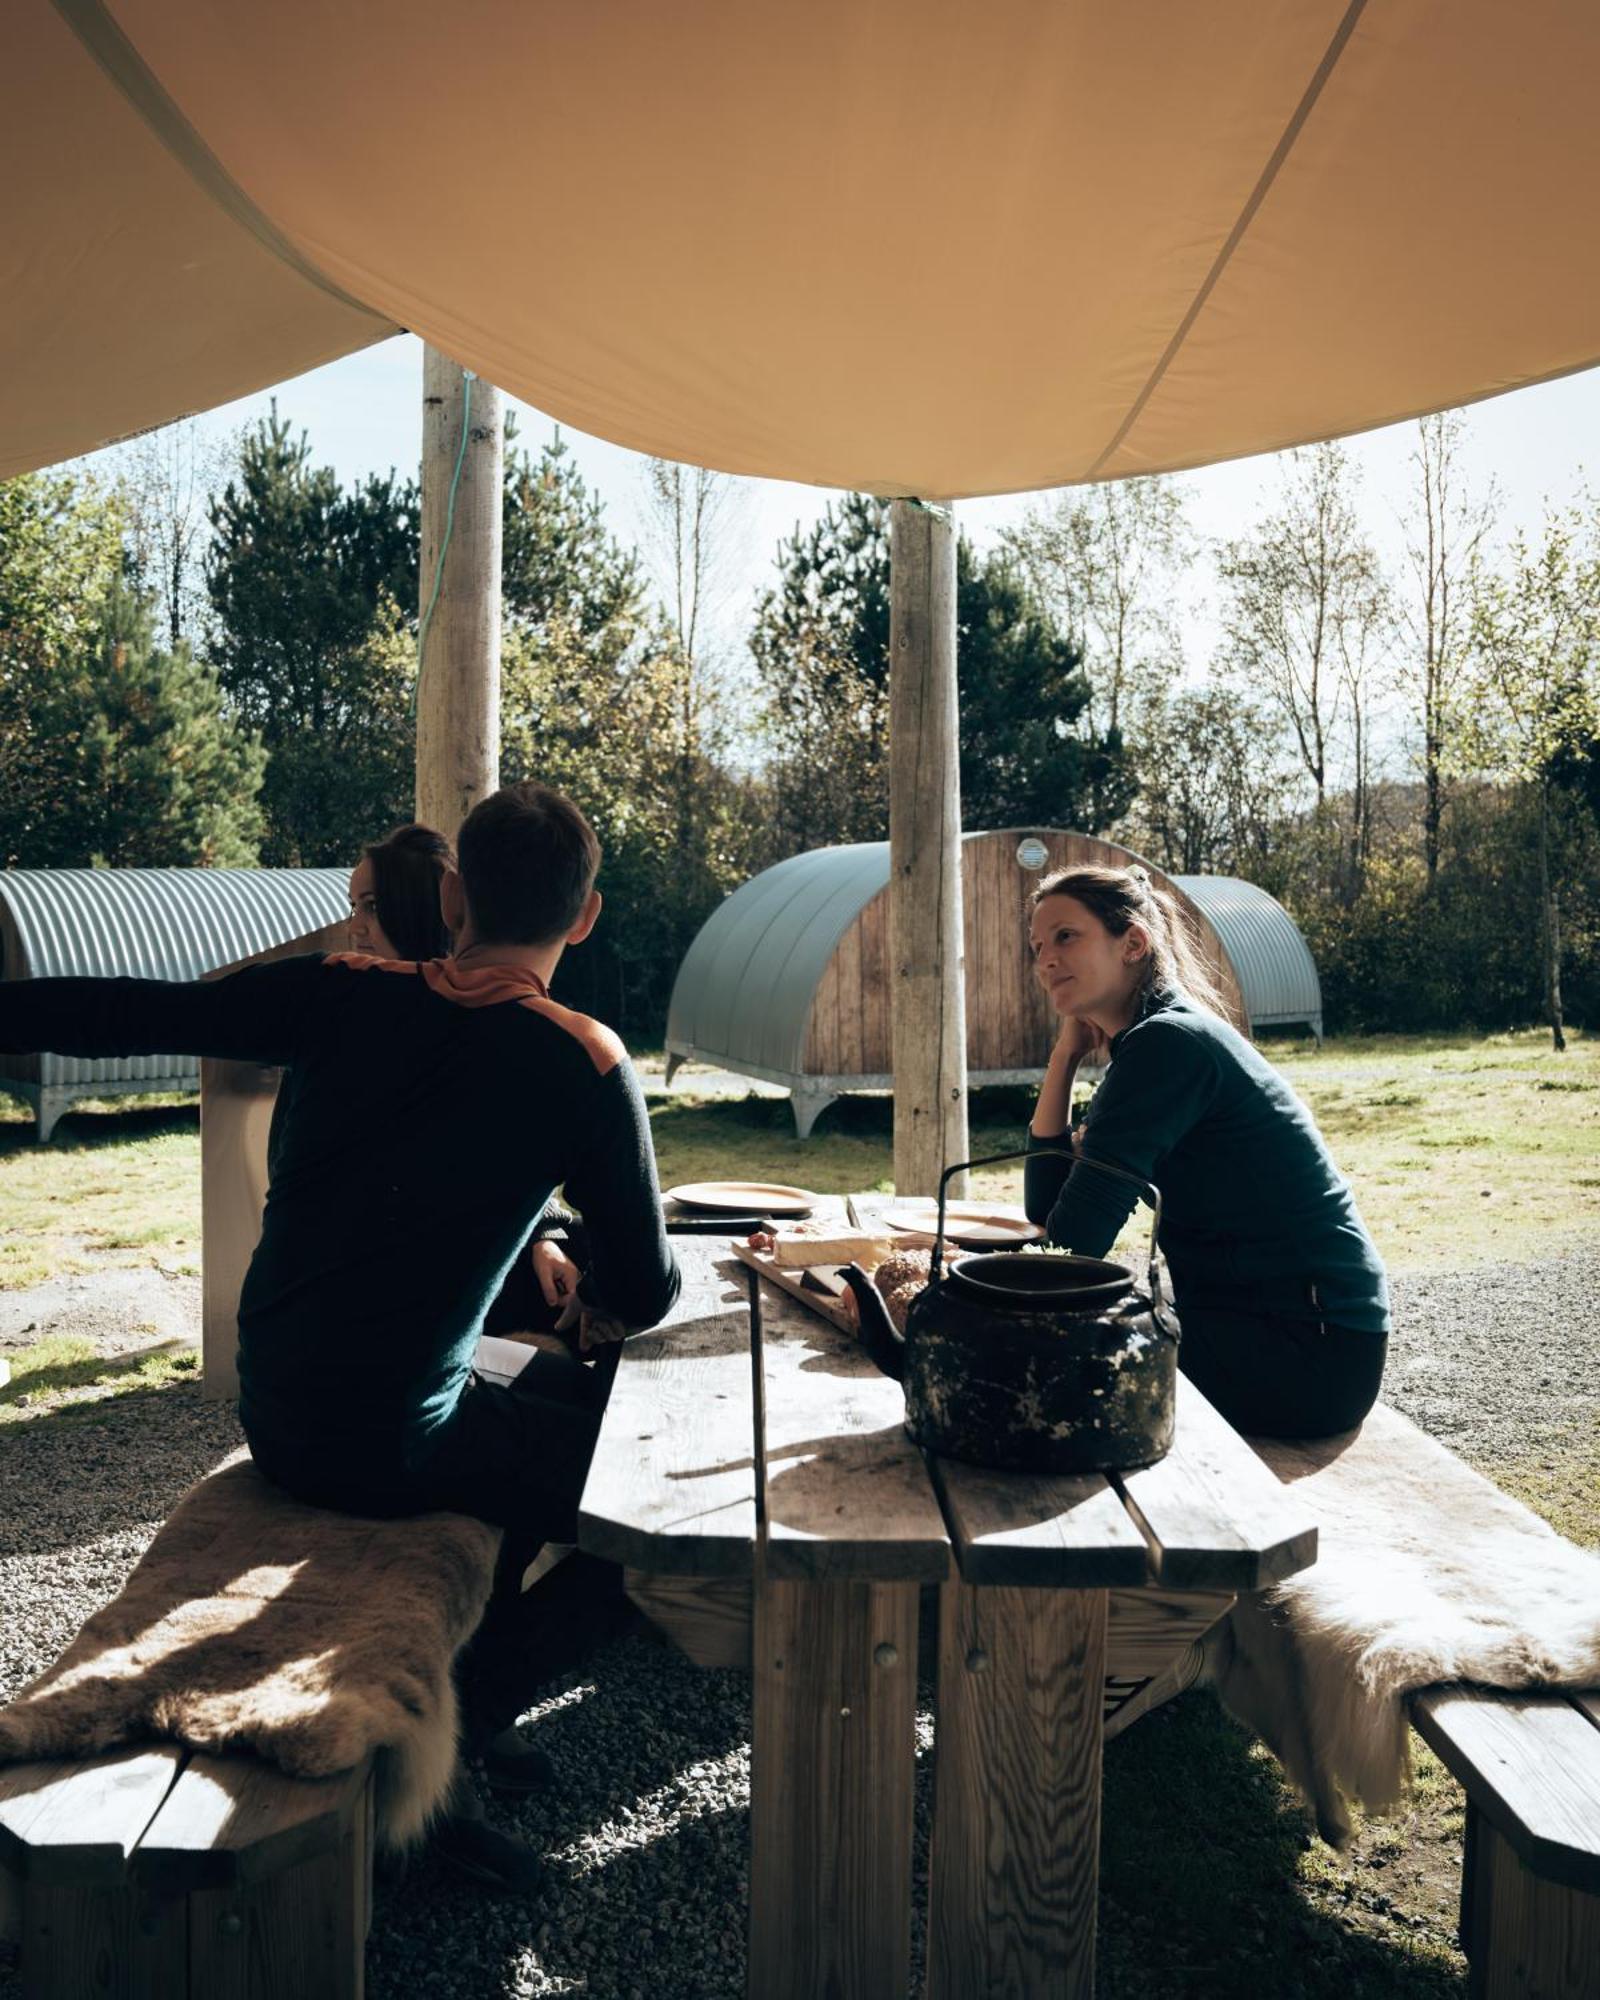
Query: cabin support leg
(808, 1106)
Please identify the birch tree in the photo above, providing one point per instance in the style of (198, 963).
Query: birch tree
(1536, 640)
(1106, 559)
(1445, 533)
(1305, 613)
(167, 478)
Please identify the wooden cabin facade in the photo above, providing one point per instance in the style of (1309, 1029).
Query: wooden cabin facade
(788, 979)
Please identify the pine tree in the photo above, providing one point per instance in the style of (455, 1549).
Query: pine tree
(559, 564)
(821, 647)
(165, 778)
(314, 590)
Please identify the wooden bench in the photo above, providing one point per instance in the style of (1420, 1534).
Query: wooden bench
(153, 1873)
(1530, 1877)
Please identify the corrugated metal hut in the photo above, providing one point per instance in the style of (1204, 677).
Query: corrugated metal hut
(150, 923)
(1271, 960)
(788, 978)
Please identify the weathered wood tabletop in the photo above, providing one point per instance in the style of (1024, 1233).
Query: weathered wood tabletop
(850, 1521)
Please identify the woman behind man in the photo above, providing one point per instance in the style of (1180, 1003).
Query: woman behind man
(395, 914)
(1280, 1292)
(394, 895)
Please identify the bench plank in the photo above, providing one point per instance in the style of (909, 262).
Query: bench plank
(671, 1487)
(298, 1936)
(1029, 1531)
(1531, 1939)
(848, 1493)
(1531, 1764)
(107, 1942)
(77, 1822)
(1215, 1517)
(232, 1821)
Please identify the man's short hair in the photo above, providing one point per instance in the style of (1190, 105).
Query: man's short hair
(528, 859)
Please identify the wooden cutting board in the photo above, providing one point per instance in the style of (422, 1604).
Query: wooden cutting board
(830, 1302)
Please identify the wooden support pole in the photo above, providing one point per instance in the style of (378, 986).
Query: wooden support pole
(928, 1030)
(458, 697)
(831, 1774)
(1014, 1867)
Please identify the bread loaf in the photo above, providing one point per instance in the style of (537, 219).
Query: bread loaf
(899, 1278)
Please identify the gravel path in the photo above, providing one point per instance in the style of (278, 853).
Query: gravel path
(1502, 1360)
(647, 1829)
(118, 1310)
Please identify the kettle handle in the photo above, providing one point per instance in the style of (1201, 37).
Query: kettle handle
(1146, 1188)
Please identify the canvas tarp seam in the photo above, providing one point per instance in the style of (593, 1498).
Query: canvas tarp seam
(1247, 214)
(129, 74)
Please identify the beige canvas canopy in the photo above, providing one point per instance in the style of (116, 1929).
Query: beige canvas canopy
(913, 246)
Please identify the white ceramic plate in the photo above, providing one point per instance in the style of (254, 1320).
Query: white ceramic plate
(972, 1224)
(744, 1197)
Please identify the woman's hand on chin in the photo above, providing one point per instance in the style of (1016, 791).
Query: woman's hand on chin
(1080, 1040)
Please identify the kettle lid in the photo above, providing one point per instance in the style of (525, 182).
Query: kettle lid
(1043, 1279)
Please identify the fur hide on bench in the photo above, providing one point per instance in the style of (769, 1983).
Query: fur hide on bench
(1426, 1573)
(256, 1623)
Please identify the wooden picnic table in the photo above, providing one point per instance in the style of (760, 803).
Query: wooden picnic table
(835, 1543)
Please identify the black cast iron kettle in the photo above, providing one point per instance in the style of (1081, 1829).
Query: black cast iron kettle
(1033, 1361)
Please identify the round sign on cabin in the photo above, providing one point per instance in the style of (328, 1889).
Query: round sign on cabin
(1032, 854)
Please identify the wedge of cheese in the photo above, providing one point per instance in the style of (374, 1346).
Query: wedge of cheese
(850, 1246)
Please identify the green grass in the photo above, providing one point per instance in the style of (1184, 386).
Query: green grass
(64, 1373)
(1213, 1885)
(1461, 1149)
(118, 1185)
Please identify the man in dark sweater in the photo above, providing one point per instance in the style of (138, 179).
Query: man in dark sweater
(437, 1108)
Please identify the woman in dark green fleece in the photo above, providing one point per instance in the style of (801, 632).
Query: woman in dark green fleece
(1279, 1289)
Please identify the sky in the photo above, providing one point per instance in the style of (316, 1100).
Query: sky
(364, 414)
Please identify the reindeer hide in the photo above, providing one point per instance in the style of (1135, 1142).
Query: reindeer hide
(254, 1622)
(1425, 1573)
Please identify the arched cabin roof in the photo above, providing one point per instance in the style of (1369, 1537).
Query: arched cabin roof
(743, 993)
(765, 959)
(1271, 960)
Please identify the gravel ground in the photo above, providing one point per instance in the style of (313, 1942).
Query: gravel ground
(118, 1310)
(647, 1829)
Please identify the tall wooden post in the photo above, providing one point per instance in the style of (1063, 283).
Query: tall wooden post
(928, 1016)
(458, 696)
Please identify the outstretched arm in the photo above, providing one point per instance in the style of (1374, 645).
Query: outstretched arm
(257, 1014)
